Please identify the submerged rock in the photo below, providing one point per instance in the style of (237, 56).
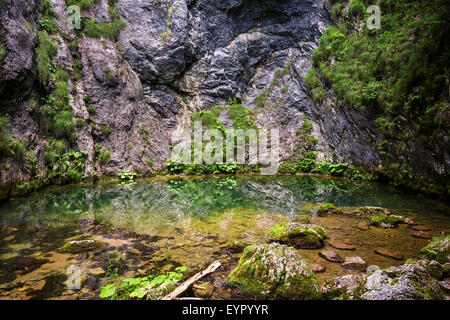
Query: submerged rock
(406, 282)
(420, 228)
(77, 246)
(389, 253)
(362, 226)
(438, 249)
(304, 236)
(274, 271)
(386, 221)
(422, 235)
(330, 256)
(341, 245)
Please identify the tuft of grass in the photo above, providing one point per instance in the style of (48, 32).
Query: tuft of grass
(104, 156)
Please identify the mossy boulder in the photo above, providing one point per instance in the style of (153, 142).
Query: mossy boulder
(386, 221)
(438, 249)
(370, 211)
(304, 236)
(274, 271)
(76, 246)
(328, 209)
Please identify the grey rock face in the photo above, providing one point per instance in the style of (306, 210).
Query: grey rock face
(175, 58)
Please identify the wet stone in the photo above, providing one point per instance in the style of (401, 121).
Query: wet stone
(330, 256)
(422, 235)
(364, 226)
(354, 263)
(341, 245)
(420, 228)
(389, 253)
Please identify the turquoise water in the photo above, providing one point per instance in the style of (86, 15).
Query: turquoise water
(190, 219)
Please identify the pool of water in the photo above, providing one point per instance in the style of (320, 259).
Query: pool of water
(188, 221)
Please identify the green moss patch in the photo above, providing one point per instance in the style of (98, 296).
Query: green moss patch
(305, 236)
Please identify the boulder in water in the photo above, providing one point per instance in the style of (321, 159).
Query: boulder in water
(274, 271)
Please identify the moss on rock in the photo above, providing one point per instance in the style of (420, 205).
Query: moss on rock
(274, 271)
(382, 219)
(438, 249)
(328, 209)
(77, 246)
(305, 236)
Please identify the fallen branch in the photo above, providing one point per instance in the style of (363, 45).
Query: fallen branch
(189, 282)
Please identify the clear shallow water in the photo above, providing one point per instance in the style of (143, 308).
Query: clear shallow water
(188, 221)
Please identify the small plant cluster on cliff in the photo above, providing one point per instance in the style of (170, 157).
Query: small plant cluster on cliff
(399, 72)
(101, 29)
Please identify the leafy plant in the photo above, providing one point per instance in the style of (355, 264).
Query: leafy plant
(126, 175)
(137, 288)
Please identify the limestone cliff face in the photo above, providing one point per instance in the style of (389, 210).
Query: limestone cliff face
(174, 58)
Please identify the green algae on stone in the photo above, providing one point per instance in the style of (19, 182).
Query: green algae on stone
(305, 236)
(438, 249)
(381, 219)
(274, 271)
(76, 246)
(328, 209)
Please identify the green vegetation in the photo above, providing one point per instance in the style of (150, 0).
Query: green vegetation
(327, 208)
(166, 35)
(104, 156)
(438, 249)
(83, 4)
(104, 29)
(126, 175)
(153, 286)
(149, 162)
(242, 118)
(45, 51)
(210, 119)
(2, 53)
(106, 130)
(92, 110)
(397, 72)
(298, 235)
(388, 219)
(9, 146)
(260, 101)
(67, 167)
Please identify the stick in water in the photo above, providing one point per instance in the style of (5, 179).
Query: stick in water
(189, 282)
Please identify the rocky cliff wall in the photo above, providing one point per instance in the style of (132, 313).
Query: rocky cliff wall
(172, 59)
